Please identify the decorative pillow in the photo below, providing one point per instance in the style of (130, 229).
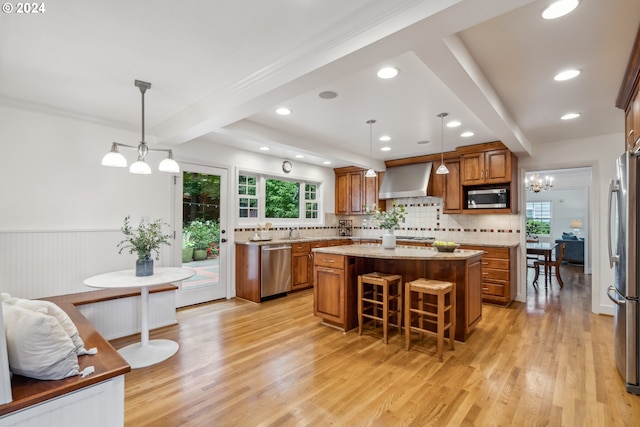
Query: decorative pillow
(565, 235)
(37, 345)
(572, 237)
(51, 309)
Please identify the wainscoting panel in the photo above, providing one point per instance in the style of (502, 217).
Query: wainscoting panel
(36, 264)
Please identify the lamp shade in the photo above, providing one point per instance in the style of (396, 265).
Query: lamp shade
(140, 167)
(113, 158)
(169, 165)
(442, 169)
(576, 223)
(370, 173)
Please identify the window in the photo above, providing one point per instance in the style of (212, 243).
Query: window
(310, 201)
(282, 199)
(248, 196)
(270, 199)
(539, 218)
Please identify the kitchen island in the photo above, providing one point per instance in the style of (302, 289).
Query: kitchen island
(336, 271)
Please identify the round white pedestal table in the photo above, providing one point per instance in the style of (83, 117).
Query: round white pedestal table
(146, 352)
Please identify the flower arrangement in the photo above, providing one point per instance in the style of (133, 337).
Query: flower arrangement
(146, 239)
(388, 220)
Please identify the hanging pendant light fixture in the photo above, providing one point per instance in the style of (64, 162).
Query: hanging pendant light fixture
(115, 159)
(370, 172)
(442, 169)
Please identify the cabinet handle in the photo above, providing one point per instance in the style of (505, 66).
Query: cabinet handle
(485, 289)
(329, 260)
(486, 252)
(485, 274)
(485, 263)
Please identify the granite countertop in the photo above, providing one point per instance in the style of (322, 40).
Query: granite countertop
(278, 241)
(400, 252)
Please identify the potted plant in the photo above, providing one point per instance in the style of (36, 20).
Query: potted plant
(388, 220)
(143, 241)
(187, 246)
(202, 237)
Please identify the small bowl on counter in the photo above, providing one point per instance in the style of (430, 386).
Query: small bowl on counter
(445, 246)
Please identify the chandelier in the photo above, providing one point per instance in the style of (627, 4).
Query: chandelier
(115, 159)
(537, 184)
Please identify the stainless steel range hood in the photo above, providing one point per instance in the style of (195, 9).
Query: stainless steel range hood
(405, 181)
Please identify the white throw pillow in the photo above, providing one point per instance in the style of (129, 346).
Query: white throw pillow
(51, 309)
(37, 345)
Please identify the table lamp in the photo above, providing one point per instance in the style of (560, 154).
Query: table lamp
(576, 224)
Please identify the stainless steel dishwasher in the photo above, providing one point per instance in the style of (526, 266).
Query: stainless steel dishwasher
(275, 269)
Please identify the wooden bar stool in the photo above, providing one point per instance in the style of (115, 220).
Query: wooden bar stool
(380, 297)
(425, 310)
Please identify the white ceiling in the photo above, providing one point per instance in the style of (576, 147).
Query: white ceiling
(219, 69)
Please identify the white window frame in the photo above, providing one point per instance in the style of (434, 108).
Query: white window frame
(282, 222)
(550, 218)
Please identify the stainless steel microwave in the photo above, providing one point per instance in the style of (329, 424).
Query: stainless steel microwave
(490, 198)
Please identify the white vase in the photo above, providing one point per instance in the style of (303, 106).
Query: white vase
(388, 240)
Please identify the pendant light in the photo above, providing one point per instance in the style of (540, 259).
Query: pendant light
(370, 172)
(115, 159)
(442, 169)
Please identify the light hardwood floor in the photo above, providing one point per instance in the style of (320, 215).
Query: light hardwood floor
(547, 362)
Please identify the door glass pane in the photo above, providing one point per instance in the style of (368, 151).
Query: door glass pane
(201, 228)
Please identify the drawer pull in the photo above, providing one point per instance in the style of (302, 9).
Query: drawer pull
(485, 289)
(485, 274)
(329, 260)
(486, 252)
(485, 263)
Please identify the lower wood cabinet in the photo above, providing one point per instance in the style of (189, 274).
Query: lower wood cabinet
(301, 266)
(334, 300)
(499, 273)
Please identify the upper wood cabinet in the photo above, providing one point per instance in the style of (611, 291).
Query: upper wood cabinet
(452, 190)
(629, 97)
(354, 191)
(486, 167)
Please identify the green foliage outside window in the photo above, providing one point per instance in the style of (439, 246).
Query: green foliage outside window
(282, 199)
(535, 226)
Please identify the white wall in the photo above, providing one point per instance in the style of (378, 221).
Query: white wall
(62, 210)
(600, 153)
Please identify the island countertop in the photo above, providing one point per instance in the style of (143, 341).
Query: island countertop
(400, 252)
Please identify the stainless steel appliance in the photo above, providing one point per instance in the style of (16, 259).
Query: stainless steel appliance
(488, 198)
(275, 269)
(623, 251)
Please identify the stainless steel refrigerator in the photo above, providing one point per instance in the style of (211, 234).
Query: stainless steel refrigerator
(623, 257)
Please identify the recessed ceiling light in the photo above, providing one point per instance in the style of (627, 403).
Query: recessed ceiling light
(385, 138)
(385, 148)
(467, 134)
(453, 124)
(387, 72)
(559, 8)
(264, 148)
(283, 111)
(328, 94)
(566, 75)
(570, 116)
(299, 156)
(326, 162)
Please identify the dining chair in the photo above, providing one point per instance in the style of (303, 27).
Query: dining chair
(548, 265)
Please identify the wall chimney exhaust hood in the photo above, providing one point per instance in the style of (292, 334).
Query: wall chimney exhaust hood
(405, 181)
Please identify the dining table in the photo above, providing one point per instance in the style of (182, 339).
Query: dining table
(545, 249)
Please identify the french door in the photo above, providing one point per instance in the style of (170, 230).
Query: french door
(201, 233)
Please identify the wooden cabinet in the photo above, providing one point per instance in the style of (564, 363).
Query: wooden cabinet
(301, 266)
(248, 272)
(628, 98)
(353, 191)
(499, 270)
(452, 190)
(486, 167)
(333, 291)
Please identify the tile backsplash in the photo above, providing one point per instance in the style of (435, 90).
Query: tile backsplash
(425, 219)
